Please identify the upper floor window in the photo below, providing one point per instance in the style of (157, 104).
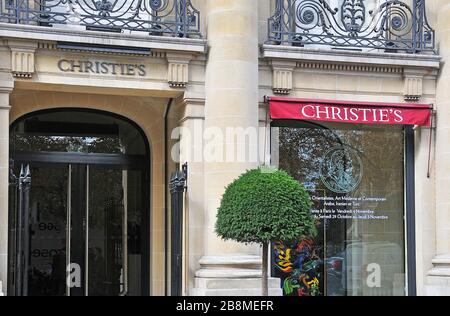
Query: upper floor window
(389, 25)
(155, 17)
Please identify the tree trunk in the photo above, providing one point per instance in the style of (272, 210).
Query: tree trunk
(265, 266)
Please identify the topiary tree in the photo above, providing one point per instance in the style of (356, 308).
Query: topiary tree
(263, 206)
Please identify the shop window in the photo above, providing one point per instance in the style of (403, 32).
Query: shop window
(355, 176)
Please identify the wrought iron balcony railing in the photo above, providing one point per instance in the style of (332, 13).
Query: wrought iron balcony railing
(156, 17)
(390, 25)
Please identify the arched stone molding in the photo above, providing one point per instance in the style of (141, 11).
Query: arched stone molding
(147, 113)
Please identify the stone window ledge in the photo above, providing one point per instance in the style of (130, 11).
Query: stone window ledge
(39, 33)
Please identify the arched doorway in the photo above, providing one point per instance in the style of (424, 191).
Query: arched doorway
(81, 227)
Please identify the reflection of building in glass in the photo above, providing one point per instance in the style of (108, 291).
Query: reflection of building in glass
(351, 234)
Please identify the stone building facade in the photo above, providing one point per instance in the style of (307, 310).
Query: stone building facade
(100, 106)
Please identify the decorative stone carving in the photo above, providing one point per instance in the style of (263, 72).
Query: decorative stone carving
(413, 80)
(22, 64)
(282, 76)
(22, 58)
(178, 70)
(178, 75)
(349, 67)
(413, 88)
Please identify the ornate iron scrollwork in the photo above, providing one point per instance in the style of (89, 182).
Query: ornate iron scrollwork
(392, 25)
(157, 17)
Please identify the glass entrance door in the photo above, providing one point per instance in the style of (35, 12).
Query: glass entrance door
(84, 234)
(84, 230)
(45, 249)
(113, 250)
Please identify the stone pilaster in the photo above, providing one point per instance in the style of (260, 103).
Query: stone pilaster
(231, 102)
(439, 276)
(5, 90)
(191, 119)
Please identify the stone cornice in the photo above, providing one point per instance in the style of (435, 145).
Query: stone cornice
(49, 45)
(193, 108)
(411, 67)
(38, 33)
(301, 54)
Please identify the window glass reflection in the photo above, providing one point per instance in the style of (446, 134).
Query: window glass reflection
(355, 179)
(73, 131)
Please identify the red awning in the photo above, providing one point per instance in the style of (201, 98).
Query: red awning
(350, 112)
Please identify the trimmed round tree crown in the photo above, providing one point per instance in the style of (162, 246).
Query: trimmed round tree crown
(264, 206)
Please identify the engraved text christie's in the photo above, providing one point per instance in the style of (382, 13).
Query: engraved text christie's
(104, 68)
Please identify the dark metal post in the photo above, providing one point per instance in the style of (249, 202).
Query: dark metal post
(78, 227)
(415, 28)
(19, 221)
(291, 16)
(12, 237)
(16, 12)
(177, 188)
(277, 26)
(424, 36)
(184, 26)
(410, 210)
(23, 241)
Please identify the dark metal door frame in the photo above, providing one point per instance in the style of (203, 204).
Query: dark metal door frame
(13, 199)
(78, 225)
(110, 160)
(410, 211)
(19, 198)
(177, 188)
